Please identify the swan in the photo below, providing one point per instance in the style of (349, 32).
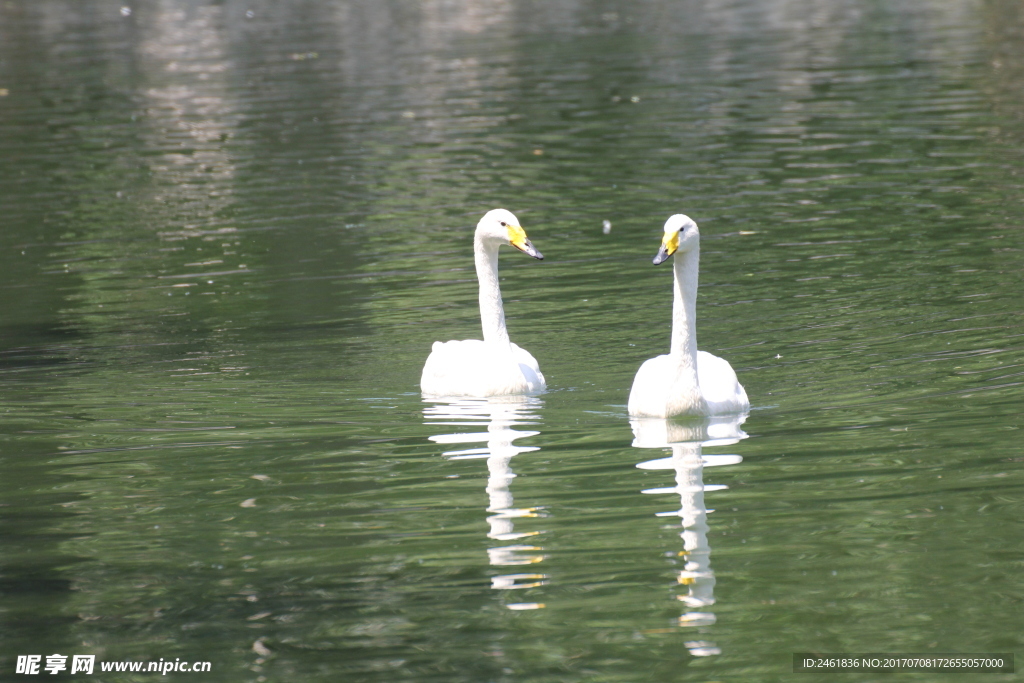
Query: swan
(494, 366)
(685, 381)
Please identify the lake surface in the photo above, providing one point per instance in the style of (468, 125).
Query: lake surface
(231, 232)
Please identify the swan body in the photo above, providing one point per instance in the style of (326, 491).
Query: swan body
(493, 366)
(685, 381)
(470, 367)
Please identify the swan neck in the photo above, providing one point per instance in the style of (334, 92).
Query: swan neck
(684, 309)
(492, 314)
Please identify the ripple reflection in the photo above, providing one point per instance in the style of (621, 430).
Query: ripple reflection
(686, 442)
(500, 415)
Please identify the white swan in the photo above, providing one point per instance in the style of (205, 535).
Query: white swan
(686, 381)
(494, 366)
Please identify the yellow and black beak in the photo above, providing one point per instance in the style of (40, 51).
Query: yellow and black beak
(669, 244)
(518, 239)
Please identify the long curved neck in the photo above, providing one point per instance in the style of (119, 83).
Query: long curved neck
(684, 311)
(492, 314)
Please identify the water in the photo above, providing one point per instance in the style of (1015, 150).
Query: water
(231, 232)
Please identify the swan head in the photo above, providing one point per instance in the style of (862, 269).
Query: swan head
(502, 227)
(681, 234)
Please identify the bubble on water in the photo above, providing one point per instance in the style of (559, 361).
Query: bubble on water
(126, 11)
(606, 226)
(249, 14)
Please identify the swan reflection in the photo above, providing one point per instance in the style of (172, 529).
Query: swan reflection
(686, 441)
(499, 414)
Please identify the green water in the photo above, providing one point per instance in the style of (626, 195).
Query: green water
(229, 240)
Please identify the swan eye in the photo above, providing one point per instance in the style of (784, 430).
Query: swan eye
(504, 224)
